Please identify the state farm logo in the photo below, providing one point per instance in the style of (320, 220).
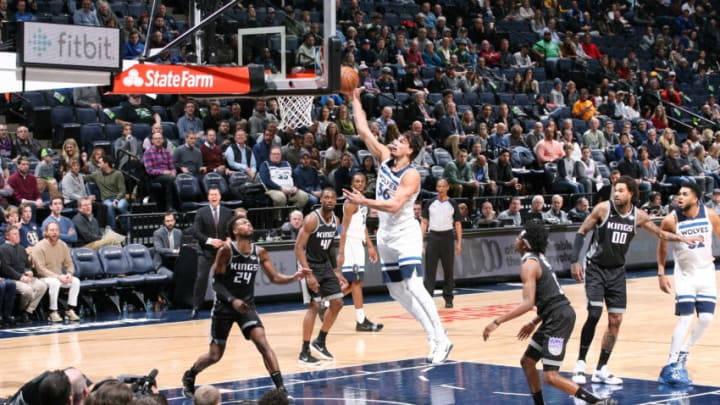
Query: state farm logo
(155, 78)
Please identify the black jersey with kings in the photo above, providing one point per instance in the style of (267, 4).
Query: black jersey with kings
(612, 238)
(548, 293)
(239, 277)
(318, 249)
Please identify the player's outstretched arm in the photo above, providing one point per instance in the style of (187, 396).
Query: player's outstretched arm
(274, 276)
(363, 129)
(667, 224)
(644, 221)
(409, 185)
(529, 273)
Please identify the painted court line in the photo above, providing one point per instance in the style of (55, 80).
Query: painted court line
(698, 395)
(517, 394)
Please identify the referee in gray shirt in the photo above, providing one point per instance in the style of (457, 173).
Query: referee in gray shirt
(441, 223)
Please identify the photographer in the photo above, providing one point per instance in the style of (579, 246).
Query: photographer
(30, 393)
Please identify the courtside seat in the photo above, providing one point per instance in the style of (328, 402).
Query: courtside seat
(188, 192)
(93, 280)
(214, 179)
(114, 263)
(141, 263)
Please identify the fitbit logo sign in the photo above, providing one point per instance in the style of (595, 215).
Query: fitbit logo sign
(59, 45)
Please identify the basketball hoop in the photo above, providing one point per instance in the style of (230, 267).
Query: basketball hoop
(296, 111)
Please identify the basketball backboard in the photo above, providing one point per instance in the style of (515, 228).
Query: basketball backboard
(297, 46)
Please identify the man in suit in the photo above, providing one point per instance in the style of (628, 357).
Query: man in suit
(210, 231)
(166, 242)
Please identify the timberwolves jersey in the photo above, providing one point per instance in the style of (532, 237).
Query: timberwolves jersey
(320, 241)
(612, 237)
(387, 184)
(239, 277)
(356, 229)
(690, 257)
(548, 293)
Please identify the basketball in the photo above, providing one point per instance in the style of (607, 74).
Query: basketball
(349, 80)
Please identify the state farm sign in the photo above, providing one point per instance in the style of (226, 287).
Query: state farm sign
(174, 79)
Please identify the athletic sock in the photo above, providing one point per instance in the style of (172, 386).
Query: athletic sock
(306, 346)
(359, 315)
(538, 398)
(586, 396)
(604, 357)
(321, 337)
(583, 352)
(277, 379)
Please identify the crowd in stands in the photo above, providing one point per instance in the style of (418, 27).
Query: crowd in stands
(514, 101)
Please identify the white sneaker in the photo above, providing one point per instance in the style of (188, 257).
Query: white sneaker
(442, 351)
(604, 376)
(579, 373)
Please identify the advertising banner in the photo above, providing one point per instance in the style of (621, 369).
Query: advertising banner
(69, 46)
(144, 78)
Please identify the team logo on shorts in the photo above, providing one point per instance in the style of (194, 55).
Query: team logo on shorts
(355, 268)
(555, 345)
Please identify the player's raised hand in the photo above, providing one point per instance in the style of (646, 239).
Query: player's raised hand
(353, 196)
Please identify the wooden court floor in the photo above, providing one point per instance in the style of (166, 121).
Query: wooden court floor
(172, 347)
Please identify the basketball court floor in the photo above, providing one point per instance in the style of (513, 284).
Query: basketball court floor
(371, 368)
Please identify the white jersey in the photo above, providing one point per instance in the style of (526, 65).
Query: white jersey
(689, 258)
(356, 229)
(387, 184)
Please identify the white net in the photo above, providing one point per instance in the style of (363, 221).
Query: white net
(296, 111)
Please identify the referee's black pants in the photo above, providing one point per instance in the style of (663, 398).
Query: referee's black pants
(440, 246)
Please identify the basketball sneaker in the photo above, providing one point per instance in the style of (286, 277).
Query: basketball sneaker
(605, 377)
(579, 376)
(321, 350)
(442, 351)
(308, 359)
(188, 382)
(674, 374)
(367, 326)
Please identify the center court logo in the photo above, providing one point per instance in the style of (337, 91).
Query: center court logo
(155, 78)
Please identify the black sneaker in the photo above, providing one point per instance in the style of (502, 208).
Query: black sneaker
(287, 394)
(448, 304)
(321, 350)
(308, 359)
(367, 326)
(188, 382)
(24, 318)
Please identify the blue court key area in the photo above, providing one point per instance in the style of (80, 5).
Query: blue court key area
(414, 382)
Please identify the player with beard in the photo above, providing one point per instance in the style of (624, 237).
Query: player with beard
(235, 268)
(694, 275)
(614, 224)
(399, 237)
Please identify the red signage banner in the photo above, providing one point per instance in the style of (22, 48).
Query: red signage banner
(144, 78)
